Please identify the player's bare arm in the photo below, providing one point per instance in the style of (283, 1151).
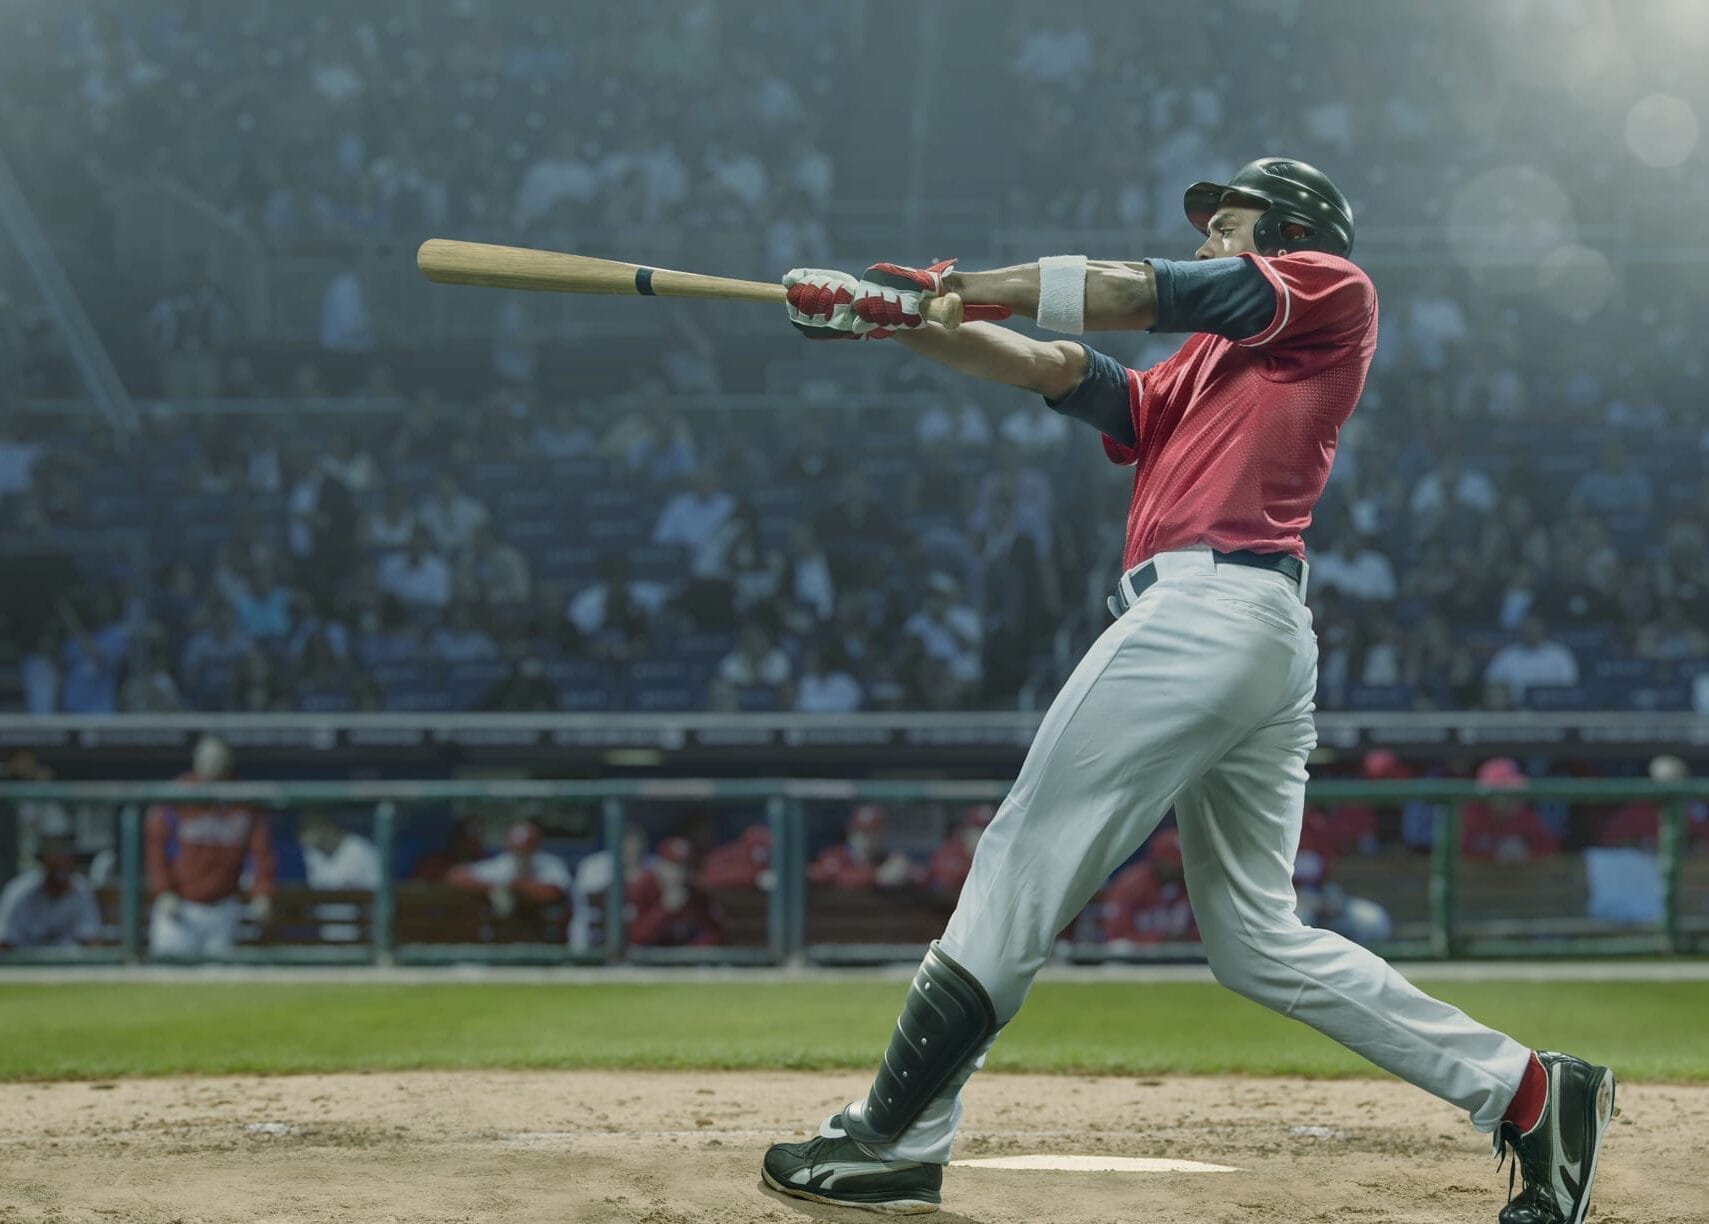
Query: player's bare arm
(1118, 296)
(1052, 368)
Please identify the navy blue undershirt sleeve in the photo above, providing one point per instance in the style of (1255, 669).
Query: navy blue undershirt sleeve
(1226, 297)
(1101, 398)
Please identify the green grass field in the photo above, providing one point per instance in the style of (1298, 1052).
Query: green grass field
(1650, 1030)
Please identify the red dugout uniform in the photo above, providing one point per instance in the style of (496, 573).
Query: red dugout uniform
(1234, 439)
(198, 851)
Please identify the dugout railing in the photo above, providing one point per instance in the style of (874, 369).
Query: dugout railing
(1458, 908)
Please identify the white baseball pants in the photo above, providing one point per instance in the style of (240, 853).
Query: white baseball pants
(1199, 697)
(194, 929)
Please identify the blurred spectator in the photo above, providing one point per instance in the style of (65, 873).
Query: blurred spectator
(856, 532)
(392, 524)
(186, 327)
(742, 864)
(525, 690)
(1534, 661)
(149, 686)
(825, 688)
(1614, 486)
(450, 516)
(593, 881)
(197, 856)
(953, 859)
(1146, 902)
(1321, 902)
(1671, 637)
(861, 860)
(464, 843)
(1638, 823)
(346, 323)
(39, 675)
(1354, 566)
(666, 908)
(1449, 488)
(219, 642)
(950, 636)
(50, 907)
(1504, 830)
(416, 577)
(757, 663)
(460, 639)
(616, 612)
(335, 858)
(693, 516)
(522, 879)
(811, 594)
(493, 571)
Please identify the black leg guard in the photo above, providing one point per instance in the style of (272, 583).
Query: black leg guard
(947, 1019)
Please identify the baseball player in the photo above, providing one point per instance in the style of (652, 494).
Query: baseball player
(195, 854)
(1197, 697)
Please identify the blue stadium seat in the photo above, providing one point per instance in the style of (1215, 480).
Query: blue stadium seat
(757, 699)
(1380, 696)
(326, 701)
(1623, 671)
(665, 698)
(1557, 697)
(578, 673)
(584, 699)
(469, 683)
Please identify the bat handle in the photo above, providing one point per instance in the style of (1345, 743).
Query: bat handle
(944, 310)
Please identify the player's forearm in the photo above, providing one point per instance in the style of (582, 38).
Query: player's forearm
(988, 351)
(1119, 296)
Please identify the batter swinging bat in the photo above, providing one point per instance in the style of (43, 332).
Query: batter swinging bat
(506, 267)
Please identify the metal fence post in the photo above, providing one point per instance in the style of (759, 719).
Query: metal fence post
(794, 877)
(383, 927)
(1669, 844)
(1444, 868)
(777, 902)
(130, 882)
(614, 899)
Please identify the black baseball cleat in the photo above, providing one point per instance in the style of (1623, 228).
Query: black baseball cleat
(1556, 1159)
(836, 1169)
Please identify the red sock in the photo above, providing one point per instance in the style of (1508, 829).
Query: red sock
(1527, 1107)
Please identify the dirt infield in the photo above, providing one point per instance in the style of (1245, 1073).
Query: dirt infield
(683, 1148)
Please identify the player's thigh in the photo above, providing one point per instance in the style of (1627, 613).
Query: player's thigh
(1163, 692)
(1240, 829)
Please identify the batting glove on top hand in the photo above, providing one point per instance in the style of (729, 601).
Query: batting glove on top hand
(927, 282)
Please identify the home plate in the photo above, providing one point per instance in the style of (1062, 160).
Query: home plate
(1094, 1164)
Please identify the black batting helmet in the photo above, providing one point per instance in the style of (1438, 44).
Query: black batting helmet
(1303, 211)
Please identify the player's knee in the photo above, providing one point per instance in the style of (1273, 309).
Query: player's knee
(1247, 958)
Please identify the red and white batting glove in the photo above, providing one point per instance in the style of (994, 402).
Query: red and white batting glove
(894, 311)
(821, 304)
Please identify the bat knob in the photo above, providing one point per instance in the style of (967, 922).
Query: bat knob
(944, 310)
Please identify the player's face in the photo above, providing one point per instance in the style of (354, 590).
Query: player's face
(1230, 233)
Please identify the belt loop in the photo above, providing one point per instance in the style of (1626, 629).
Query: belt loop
(1129, 596)
(1305, 573)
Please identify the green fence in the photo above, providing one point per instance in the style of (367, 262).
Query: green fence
(1683, 878)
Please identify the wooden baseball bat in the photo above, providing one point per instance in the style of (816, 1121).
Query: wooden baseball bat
(449, 262)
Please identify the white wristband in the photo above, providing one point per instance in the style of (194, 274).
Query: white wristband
(1062, 293)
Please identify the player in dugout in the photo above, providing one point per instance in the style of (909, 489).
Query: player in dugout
(197, 856)
(1199, 696)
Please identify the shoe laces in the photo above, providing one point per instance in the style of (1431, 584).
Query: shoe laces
(1529, 1166)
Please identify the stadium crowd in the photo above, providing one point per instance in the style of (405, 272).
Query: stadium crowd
(384, 521)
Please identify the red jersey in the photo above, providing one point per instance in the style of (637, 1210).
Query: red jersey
(951, 862)
(739, 864)
(837, 867)
(696, 923)
(198, 851)
(1234, 439)
(1483, 832)
(1139, 909)
(1639, 824)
